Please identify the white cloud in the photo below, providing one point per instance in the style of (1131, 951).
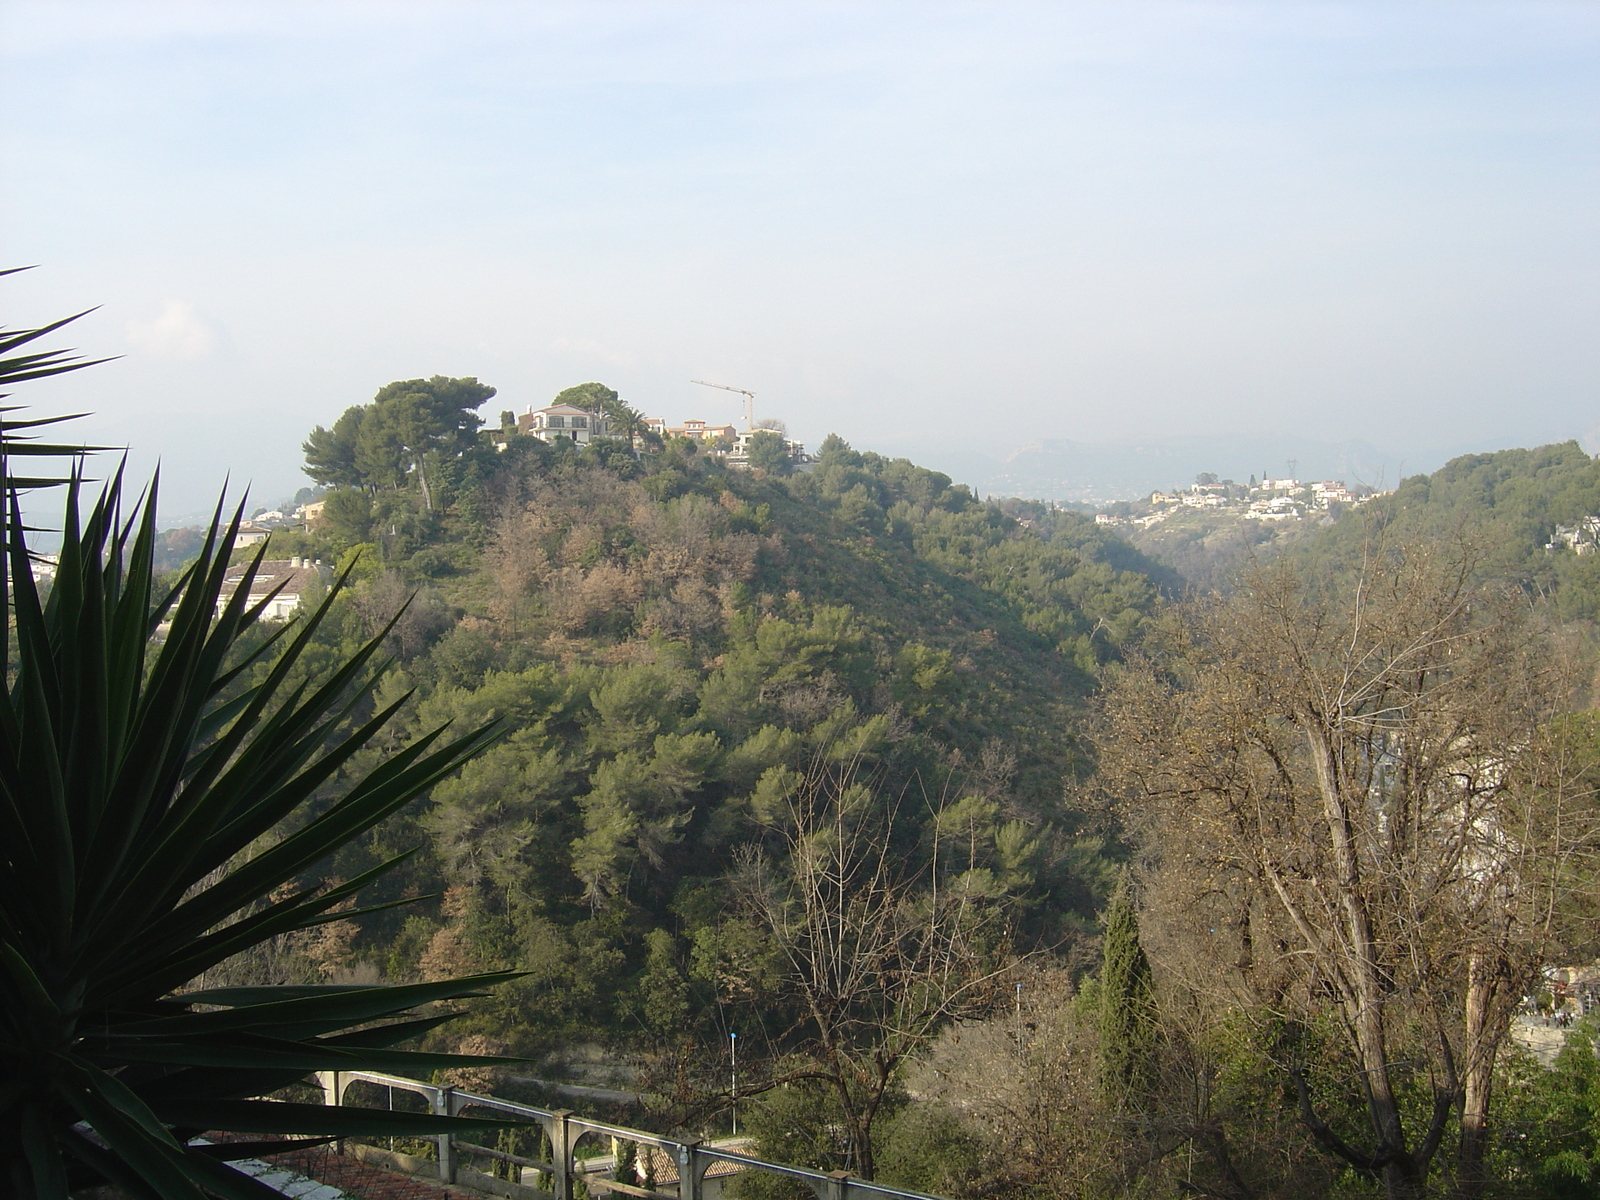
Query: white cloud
(176, 333)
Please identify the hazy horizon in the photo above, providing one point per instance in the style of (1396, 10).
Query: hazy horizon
(949, 230)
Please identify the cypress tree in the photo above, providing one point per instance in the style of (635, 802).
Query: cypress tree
(1127, 1008)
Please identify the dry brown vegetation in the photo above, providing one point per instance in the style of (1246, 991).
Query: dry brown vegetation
(598, 555)
(1348, 807)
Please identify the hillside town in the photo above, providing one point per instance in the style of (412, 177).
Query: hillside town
(1266, 500)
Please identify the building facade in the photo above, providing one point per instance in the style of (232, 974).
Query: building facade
(563, 422)
(279, 582)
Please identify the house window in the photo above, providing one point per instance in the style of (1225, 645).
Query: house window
(558, 422)
(580, 422)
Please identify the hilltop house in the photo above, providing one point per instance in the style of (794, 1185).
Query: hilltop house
(738, 455)
(726, 442)
(699, 431)
(1331, 491)
(1580, 538)
(1276, 508)
(289, 577)
(563, 422)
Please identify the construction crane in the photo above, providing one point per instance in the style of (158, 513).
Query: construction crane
(749, 400)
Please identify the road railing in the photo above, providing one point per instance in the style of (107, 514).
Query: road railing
(556, 1170)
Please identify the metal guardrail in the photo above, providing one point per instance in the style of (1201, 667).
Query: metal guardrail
(563, 1169)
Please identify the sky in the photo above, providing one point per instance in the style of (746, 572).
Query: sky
(941, 229)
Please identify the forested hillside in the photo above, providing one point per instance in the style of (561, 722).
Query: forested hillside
(1509, 505)
(1209, 547)
(1360, 783)
(700, 671)
(842, 766)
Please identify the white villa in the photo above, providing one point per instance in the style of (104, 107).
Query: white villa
(1332, 491)
(295, 575)
(1581, 538)
(1277, 508)
(562, 422)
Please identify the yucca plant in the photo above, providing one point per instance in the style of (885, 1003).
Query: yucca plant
(18, 438)
(154, 795)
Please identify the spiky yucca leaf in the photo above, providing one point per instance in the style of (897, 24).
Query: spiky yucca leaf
(152, 810)
(18, 438)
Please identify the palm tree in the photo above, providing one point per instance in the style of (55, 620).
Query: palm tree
(625, 421)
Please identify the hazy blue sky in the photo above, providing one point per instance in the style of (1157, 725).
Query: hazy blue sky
(925, 226)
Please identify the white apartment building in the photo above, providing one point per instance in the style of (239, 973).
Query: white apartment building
(288, 577)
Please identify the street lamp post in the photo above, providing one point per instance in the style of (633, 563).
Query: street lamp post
(733, 1089)
(1019, 1020)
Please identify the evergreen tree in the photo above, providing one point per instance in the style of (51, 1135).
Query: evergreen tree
(769, 452)
(380, 446)
(331, 453)
(594, 397)
(1127, 1008)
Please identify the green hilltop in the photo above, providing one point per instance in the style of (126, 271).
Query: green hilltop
(1531, 514)
(678, 649)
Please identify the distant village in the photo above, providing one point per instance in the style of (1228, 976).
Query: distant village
(1268, 500)
(1292, 500)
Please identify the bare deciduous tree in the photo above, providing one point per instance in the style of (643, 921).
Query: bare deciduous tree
(881, 948)
(1332, 782)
